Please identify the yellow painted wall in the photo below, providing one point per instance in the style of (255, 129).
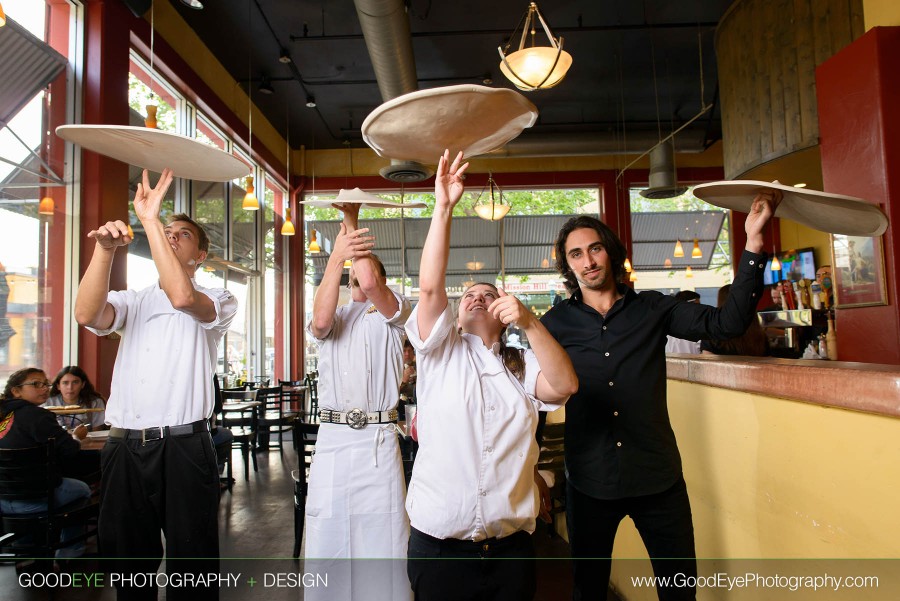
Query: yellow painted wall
(881, 13)
(794, 235)
(787, 481)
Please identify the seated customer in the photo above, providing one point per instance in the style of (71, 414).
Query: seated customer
(71, 387)
(752, 343)
(23, 424)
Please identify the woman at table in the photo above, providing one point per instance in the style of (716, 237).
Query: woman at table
(473, 493)
(72, 388)
(24, 424)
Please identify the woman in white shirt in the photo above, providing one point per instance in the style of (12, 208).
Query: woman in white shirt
(473, 494)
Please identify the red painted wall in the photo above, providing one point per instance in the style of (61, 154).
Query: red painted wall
(859, 125)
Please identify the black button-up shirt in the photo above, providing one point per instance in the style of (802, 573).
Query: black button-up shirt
(619, 441)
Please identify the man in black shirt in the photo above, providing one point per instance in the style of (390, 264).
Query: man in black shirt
(621, 454)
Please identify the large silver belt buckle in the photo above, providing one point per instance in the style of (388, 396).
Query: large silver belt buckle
(357, 419)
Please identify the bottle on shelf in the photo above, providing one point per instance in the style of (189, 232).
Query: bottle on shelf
(831, 339)
(815, 295)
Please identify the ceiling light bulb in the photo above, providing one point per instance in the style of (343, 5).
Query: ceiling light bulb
(627, 265)
(2, 16)
(251, 203)
(265, 86)
(195, 4)
(679, 250)
(46, 206)
(800, 185)
(688, 272)
(545, 264)
(311, 101)
(632, 277)
(696, 253)
(776, 264)
(668, 262)
(284, 58)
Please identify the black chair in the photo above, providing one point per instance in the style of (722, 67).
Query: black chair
(244, 424)
(273, 416)
(312, 388)
(32, 473)
(552, 459)
(305, 435)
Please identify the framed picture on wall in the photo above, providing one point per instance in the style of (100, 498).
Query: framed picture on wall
(858, 271)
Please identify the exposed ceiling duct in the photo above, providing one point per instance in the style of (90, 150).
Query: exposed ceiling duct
(594, 144)
(385, 27)
(663, 182)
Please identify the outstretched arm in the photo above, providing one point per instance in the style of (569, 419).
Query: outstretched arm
(366, 269)
(91, 307)
(557, 380)
(349, 244)
(448, 189)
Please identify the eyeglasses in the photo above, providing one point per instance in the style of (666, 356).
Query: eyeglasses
(37, 384)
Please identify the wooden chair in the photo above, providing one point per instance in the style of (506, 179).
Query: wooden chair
(305, 435)
(32, 473)
(244, 424)
(552, 459)
(312, 388)
(273, 415)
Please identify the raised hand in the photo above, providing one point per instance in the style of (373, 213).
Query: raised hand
(111, 235)
(351, 213)
(762, 210)
(147, 200)
(448, 181)
(508, 309)
(352, 244)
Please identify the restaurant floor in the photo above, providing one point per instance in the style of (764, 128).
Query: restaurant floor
(256, 524)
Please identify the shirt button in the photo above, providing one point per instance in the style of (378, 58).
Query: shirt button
(753, 262)
(618, 444)
(616, 413)
(490, 449)
(604, 327)
(606, 353)
(610, 383)
(483, 494)
(492, 407)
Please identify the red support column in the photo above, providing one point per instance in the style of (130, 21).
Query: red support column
(860, 141)
(104, 188)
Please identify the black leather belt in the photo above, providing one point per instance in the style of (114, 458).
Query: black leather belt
(160, 432)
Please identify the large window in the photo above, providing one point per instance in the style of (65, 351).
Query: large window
(36, 216)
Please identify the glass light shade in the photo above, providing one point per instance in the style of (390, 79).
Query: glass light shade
(688, 272)
(348, 264)
(474, 265)
(668, 262)
(287, 228)
(776, 264)
(150, 121)
(529, 67)
(632, 277)
(545, 264)
(490, 212)
(679, 250)
(2, 17)
(696, 253)
(313, 245)
(46, 206)
(250, 202)
(628, 265)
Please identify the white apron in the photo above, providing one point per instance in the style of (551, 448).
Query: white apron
(355, 509)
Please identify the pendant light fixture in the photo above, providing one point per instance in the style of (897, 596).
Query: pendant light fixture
(251, 203)
(495, 207)
(776, 264)
(313, 244)
(632, 277)
(667, 263)
(46, 206)
(679, 250)
(688, 272)
(628, 266)
(696, 253)
(535, 67)
(2, 16)
(287, 228)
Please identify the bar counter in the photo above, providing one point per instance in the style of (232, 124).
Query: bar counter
(867, 387)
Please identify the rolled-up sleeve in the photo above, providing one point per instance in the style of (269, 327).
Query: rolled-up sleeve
(226, 308)
(119, 299)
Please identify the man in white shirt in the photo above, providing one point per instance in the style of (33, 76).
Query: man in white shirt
(354, 509)
(159, 465)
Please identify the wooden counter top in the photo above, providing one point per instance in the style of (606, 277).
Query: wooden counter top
(868, 387)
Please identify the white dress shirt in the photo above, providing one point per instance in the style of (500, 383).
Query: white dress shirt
(474, 473)
(680, 345)
(360, 365)
(164, 368)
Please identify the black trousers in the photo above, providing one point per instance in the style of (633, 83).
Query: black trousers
(171, 486)
(463, 570)
(664, 522)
